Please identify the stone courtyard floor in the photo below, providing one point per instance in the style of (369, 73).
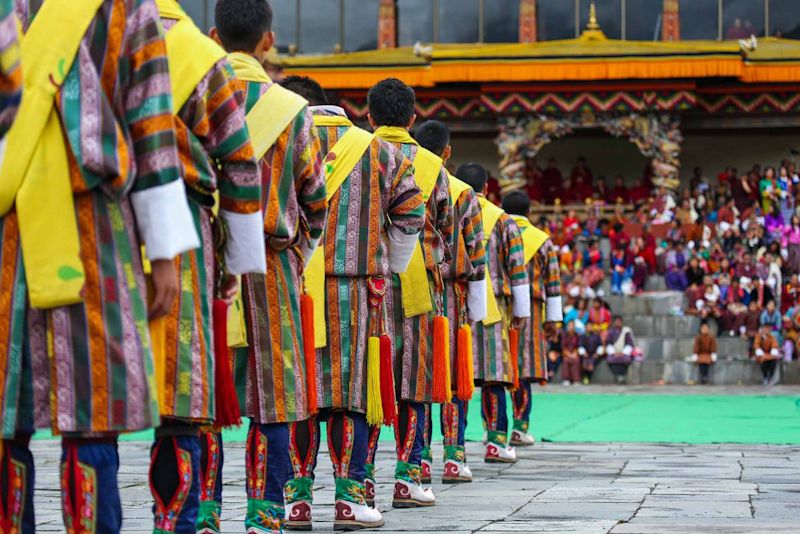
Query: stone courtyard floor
(619, 488)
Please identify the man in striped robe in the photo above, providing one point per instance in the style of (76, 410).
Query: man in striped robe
(216, 159)
(374, 218)
(270, 372)
(464, 302)
(391, 114)
(508, 280)
(546, 312)
(85, 370)
(10, 73)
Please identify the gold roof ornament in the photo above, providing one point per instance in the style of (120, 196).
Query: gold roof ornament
(593, 31)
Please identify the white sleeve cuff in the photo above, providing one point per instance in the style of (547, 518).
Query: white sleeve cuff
(164, 220)
(244, 245)
(476, 300)
(628, 350)
(582, 351)
(693, 358)
(713, 356)
(774, 352)
(522, 300)
(553, 312)
(610, 349)
(307, 249)
(401, 246)
(601, 350)
(759, 352)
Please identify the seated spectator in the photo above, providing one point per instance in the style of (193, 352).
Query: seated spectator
(599, 320)
(619, 349)
(767, 353)
(705, 352)
(694, 273)
(554, 360)
(578, 314)
(790, 241)
(621, 271)
(618, 193)
(571, 361)
(593, 264)
(791, 333)
(771, 317)
(675, 264)
(591, 350)
(639, 275)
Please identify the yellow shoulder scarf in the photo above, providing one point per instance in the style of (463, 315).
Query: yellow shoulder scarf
(190, 53)
(490, 215)
(427, 167)
(532, 237)
(273, 112)
(457, 188)
(342, 158)
(38, 173)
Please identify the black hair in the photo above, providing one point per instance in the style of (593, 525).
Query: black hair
(391, 103)
(241, 24)
(474, 175)
(433, 135)
(306, 87)
(517, 203)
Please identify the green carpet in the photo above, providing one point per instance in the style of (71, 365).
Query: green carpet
(568, 417)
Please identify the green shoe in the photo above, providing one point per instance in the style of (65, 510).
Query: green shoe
(208, 517)
(264, 517)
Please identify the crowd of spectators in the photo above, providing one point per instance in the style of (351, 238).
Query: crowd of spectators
(731, 244)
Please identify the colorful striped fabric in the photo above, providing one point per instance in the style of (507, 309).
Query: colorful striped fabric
(10, 73)
(413, 336)
(506, 264)
(216, 155)
(92, 362)
(379, 191)
(270, 374)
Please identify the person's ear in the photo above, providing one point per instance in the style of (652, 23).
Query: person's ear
(412, 121)
(448, 150)
(214, 35)
(269, 41)
(371, 122)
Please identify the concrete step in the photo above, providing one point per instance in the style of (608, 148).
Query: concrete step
(655, 283)
(653, 303)
(678, 348)
(739, 372)
(665, 325)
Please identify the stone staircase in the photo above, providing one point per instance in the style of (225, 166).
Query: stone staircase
(667, 339)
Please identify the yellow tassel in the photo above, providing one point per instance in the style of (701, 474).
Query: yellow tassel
(374, 404)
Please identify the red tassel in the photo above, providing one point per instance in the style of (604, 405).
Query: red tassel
(441, 360)
(466, 375)
(226, 403)
(513, 340)
(387, 381)
(309, 351)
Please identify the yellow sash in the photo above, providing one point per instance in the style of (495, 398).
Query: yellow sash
(490, 215)
(532, 237)
(35, 172)
(457, 187)
(190, 53)
(347, 151)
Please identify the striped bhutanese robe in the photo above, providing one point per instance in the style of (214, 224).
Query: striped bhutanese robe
(89, 366)
(216, 155)
(506, 264)
(545, 276)
(413, 336)
(373, 222)
(10, 73)
(270, 372)
(464, 277)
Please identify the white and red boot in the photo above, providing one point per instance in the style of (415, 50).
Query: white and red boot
(411, 495)
(499, 454)
(425, 477)
(298, 516)
(456, 472)
(352, 516)
(521, 439)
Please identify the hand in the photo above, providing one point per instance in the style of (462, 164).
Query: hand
(164, 277)
(228, 289)
(518, 323)
(550, 331)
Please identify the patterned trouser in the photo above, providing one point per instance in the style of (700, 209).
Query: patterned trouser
(521, 399)
(493, 402)
(174, 478)
(267, 471)
(409, 432)
(453, 422)
(348, 436)
(212, 458)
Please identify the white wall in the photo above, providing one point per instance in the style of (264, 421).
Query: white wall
(609, 156)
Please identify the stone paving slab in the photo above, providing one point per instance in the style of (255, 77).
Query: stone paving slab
(617, 488)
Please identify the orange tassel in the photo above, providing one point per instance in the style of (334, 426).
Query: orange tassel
(441, 360)
(226, 403)
(513, 340)
(466, 375)
(387, 381)
(309, 352)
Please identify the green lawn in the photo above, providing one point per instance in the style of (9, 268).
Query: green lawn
(601, 417)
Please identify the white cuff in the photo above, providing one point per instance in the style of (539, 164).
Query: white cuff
(522, 300)
(713, 356)
(165, 223)
(610, 349)
(774, 352)
(553, 312)
(401, 246)
(601, 350)
(244, 245)
(307, 249)
(476, 300)
(628, 350)
(693, 358)
(581, 351)
(759, 352)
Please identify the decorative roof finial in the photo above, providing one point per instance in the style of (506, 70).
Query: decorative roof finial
(593, 31)
(592, 25)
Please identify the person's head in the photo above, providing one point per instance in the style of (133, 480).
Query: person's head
(474, 175)
(517, 203)
(765, 330)
(306, 87)
(580, 304)
(771, 306)
(753, 306)
(618, 227)
(617, 321)
(244, 26)
(795, 221)
(597, 303)
(618, 181)
(704, 329)
(769, 173)
(435, 136)
(707, 281)
(694, 263)
(391, 103)
(571, 327)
